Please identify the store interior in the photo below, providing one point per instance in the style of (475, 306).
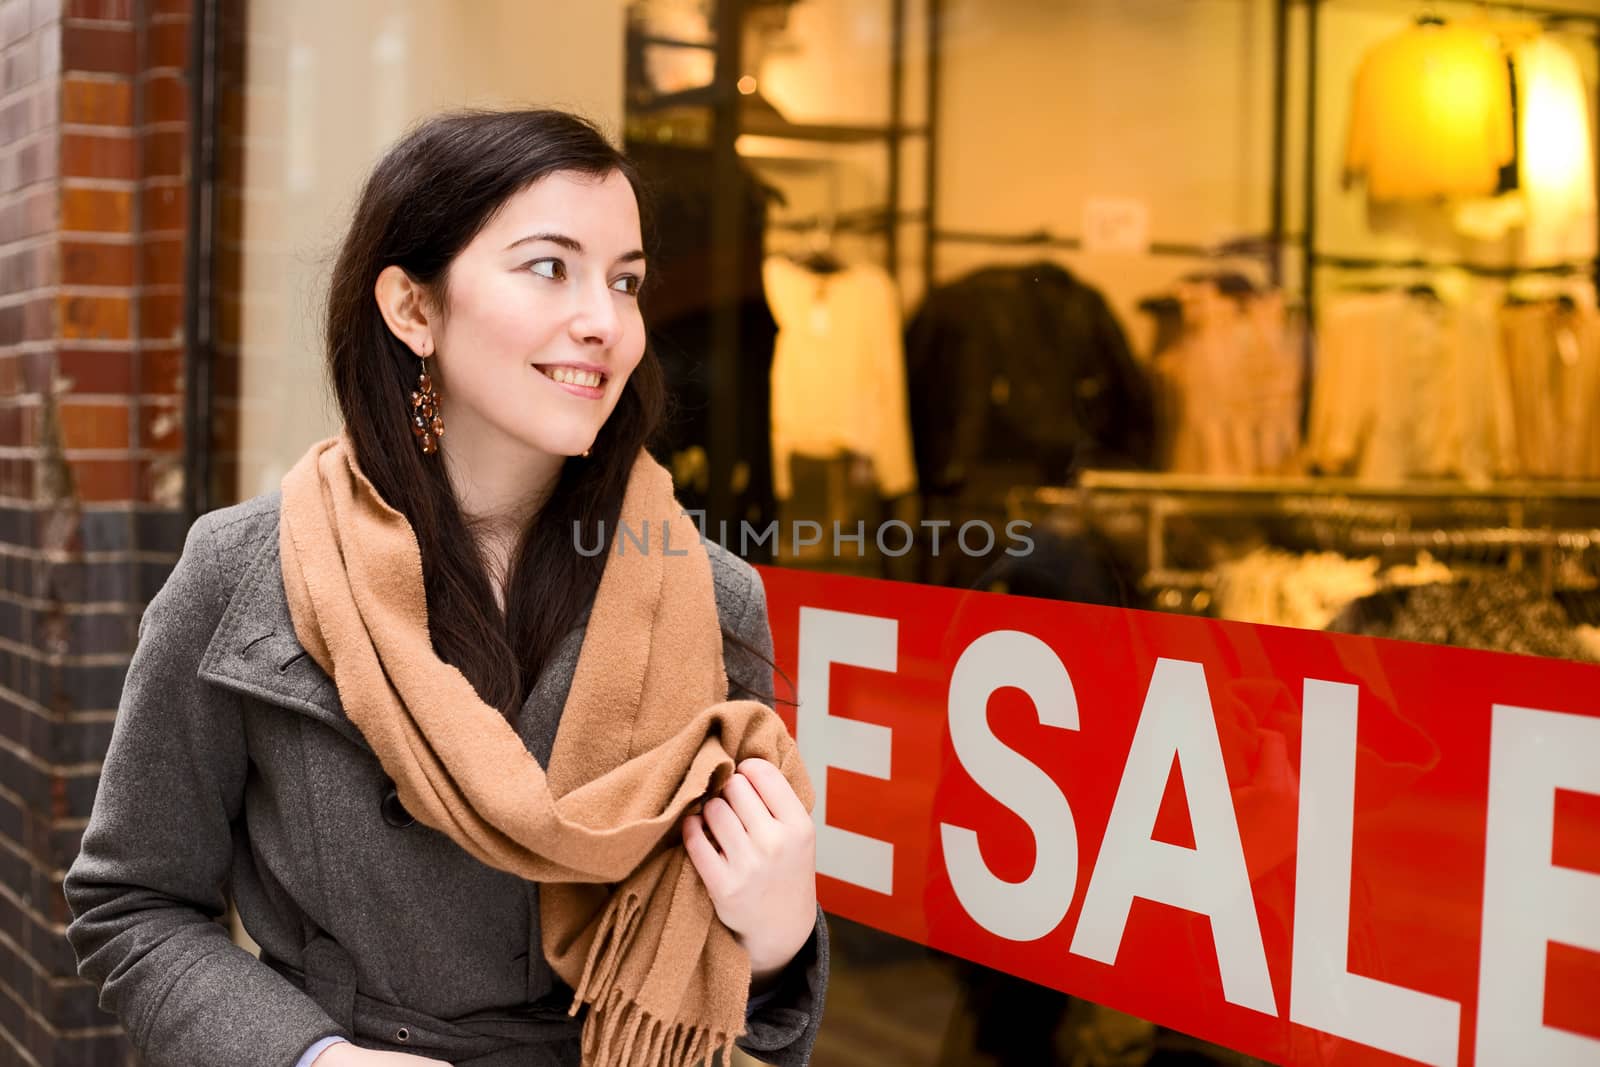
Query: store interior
(1268, 311)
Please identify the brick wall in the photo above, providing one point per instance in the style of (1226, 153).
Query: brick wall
(93, 184)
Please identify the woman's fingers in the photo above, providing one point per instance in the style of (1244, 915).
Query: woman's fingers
(703, 854)
(758, 821)
(775, 791)
(730, 833)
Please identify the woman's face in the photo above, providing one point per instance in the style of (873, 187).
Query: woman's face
(542, 326)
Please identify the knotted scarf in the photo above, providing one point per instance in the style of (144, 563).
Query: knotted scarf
(647, 732)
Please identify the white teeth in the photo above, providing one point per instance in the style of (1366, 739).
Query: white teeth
(573, 376)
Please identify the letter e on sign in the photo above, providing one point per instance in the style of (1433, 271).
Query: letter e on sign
(1029, 909)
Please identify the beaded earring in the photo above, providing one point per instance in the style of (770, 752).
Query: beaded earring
(426, 424)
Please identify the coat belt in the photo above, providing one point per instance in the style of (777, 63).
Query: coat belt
(485, 1038)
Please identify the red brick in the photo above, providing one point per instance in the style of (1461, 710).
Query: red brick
(161, 370)
(94, 425)
(47, 264)
(90, 156)
(97, 210)
(105, 480)
(166, 98)
(167, 44)
(161, 427)
(164, 207)
(98, 49)
(166, 154)
(161, 480)
(38, 371)
(170, 7)
(97, 103)
(95, 317)
(28, 416)
(97, 372)
(10, 325)
(9, 375)
(38, 320)
(96, 263)
(10, 426)
(119, 10)
(161, 261)
(161, 316)
(19, 481)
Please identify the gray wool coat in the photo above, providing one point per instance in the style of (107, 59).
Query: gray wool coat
(232, 769)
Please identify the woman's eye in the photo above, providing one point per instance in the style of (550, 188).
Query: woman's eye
(549, 268)
(628, 284)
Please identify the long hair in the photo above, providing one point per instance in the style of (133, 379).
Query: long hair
(422, 204)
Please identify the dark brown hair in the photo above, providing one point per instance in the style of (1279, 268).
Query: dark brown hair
(423, 203)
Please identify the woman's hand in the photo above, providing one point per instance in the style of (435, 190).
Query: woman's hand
(759, 863)
(344, 1054)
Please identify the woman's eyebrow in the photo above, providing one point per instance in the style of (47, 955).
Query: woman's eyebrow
(554, 238)
(573, 245)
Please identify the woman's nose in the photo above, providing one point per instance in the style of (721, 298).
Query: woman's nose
(597, 321)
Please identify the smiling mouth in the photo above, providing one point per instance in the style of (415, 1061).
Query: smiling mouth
(573, 376)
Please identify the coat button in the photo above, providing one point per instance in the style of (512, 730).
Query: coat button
(394, 812)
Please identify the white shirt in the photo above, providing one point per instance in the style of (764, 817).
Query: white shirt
(838, 372)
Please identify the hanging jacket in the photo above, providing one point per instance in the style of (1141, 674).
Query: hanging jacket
(1023, 367)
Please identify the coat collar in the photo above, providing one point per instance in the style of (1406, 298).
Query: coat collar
(254, 651)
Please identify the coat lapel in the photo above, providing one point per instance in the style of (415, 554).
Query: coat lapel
(255, 652)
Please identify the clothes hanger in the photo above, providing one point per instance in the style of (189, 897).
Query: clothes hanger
(819, 258)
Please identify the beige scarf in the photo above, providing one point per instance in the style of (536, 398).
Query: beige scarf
(646, 733)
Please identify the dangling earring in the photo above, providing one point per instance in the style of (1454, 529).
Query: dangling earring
(426, 424)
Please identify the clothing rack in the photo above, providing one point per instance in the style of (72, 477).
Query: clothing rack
(1481, 270)
(1258, 247)
(1576, 540)
(1348, 515)
(1444, 545)
(863, 220)
(1486, 544)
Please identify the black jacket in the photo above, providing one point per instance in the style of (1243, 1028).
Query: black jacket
(1023, 367)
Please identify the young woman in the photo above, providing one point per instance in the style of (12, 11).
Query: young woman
(333, 700)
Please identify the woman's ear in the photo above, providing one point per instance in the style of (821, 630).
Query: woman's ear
(404, 306)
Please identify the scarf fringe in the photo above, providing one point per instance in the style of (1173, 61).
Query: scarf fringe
(618, 1032)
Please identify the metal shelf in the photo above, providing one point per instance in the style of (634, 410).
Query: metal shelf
(1178, 485)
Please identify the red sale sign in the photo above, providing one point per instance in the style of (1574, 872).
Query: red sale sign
(1312, 848)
